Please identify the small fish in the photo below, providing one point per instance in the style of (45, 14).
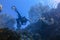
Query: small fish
(0, 7)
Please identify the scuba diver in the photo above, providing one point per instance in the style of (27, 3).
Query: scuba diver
(20, 20)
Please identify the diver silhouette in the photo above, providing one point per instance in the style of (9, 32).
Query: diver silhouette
(20, 20)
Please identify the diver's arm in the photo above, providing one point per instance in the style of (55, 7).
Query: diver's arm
(15, 9)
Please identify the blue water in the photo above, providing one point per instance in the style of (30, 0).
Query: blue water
(23, 6)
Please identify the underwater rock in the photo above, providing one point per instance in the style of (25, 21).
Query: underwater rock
(46, 30)
(6, 34)
(7, 21)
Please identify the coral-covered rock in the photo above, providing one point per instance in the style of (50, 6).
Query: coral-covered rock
(6, 34)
